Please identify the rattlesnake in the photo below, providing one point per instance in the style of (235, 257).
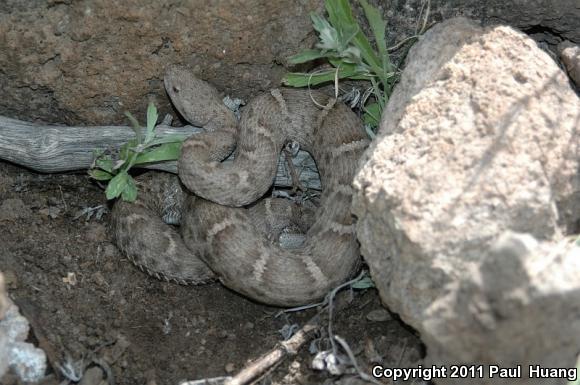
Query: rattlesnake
(217, 229)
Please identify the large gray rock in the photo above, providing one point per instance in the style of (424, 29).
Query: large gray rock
(479, 138)
(570, 56)
(3, 337)
(23, 358)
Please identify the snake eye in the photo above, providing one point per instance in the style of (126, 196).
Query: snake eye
(176, 89)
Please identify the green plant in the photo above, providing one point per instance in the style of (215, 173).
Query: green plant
(142, 149)
(349, 51)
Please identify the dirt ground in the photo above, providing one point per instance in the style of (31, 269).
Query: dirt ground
(85, 301)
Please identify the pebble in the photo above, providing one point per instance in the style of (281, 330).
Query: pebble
(99, 279)
(92, 376)
(51, 211)
(10, 279)
(230, 367)
(379, 315)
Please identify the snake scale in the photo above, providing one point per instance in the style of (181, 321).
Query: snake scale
(223, 232)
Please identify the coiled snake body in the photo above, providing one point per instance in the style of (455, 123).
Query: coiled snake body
(217, 231)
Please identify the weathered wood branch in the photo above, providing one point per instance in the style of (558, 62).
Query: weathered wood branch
(48, 149)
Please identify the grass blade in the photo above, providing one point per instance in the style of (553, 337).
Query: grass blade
(372, 115)
(306, 56)
(175, 138)
(151, 121)
(135, 125)
(340, 15)
(167, 151)
(298, 79)
(378, 26)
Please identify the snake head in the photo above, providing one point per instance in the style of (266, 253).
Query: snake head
(196, 100)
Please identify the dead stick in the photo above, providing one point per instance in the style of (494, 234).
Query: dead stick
(296, 185)
(276, 355)
(46, 148)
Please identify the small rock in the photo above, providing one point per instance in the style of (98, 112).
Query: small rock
(93, 341)
(92, 376)
(10, 279)
(379, 315)
(113, 353)
(51, 212)
(3, 298)
(570, 56)
(71, 279)
(230, 367)
(99, 279)
(24, 359)
(371, 353)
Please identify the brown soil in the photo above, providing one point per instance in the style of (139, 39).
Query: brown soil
(84, 299)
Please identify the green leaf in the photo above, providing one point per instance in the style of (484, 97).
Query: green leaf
(129, 194)
(105, 164)
(297, 79)
(379, 95)
(351, 67)
(364, 283)
(377, 24)
(117, 185)
(100, 174)
(370, 132)
(351, 55)
(167, 151)
(175, 138)
(306, 56)
(340, 15)
(135, 125)
(341, 19)
(151, 121)
(126, 149)
(372, 115)
(326, 33)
